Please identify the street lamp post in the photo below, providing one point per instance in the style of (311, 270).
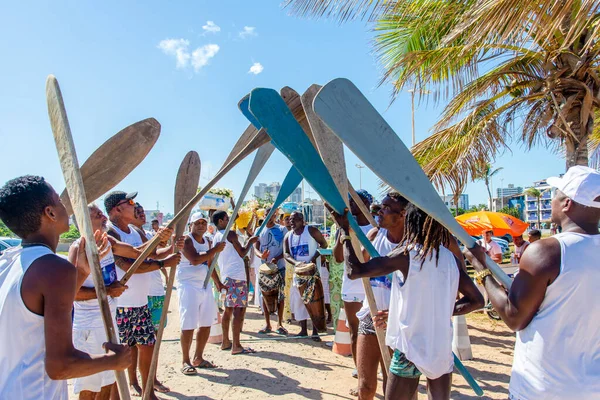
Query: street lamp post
(412, 108)
(360, 167)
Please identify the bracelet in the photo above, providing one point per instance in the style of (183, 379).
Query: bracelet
(345, 238)
(161, 263)
(480, 276)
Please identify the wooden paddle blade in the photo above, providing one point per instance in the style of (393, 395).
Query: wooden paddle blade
(109, 164)
(350, 115)
(186, 186)
(74, 182)
(294, 102)
(277, 119)
(247, 136)
(329, 146)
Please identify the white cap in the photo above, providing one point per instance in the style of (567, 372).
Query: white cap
(197, 216)
(581, 184)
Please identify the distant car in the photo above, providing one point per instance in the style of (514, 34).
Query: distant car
(6, 242)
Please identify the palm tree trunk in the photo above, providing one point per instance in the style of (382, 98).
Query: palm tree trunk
(487, 185)
(576, 147)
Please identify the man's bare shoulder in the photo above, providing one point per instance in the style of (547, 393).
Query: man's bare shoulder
(113, 233)
(51, 266)
(542, 258)
(372, 234)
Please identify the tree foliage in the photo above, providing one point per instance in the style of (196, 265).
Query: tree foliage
(4, 231)
(71, 234)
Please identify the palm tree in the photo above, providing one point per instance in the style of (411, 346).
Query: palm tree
(485, 174)
(528, 66)
(533, 192)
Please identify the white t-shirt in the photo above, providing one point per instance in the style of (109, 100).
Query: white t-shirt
(272, 239)
(87, 313)
(381, 285)
(231, 264)
(139, 285)
(492, 248)
(187, 273)
(22, 342)
(354, 287)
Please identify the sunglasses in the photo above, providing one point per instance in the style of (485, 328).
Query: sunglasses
(130, 201)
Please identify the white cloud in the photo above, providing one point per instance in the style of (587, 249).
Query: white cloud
(202, 55)
(256, 69)
(211, 27)
(177, 48)
(248, 31)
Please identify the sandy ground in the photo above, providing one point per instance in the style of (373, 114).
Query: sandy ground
(301, 368)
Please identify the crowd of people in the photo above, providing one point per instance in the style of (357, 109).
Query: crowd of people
(419, 281)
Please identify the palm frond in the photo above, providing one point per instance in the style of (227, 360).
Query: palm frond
(341, 10)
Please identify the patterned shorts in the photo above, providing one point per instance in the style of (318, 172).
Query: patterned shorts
(135, 326)
(402, 367)
(155, 307)
(366, 326)
(237, 293)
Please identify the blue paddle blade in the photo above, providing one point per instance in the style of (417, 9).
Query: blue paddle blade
(276, 118)
(292, 179)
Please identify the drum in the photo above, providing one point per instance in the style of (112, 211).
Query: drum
(309, 284)
(270, 283)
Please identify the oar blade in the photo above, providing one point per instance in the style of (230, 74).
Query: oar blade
(109, 164)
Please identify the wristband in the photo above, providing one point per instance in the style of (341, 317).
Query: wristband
(161, 263)
(345, 238)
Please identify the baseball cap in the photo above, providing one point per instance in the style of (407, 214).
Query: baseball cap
(198, 216)
(581, 184)
(115, 197)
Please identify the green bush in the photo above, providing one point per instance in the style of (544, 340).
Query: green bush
(73, 233)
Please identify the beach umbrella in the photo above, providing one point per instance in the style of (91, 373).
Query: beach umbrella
(478, 222)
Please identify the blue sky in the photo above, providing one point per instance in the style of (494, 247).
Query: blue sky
(120, 62)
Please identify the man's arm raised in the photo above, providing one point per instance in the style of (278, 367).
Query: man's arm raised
(53, 280)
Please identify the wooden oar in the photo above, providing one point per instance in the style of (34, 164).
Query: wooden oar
(186, 185)
(262, 155)
(292, 99)
(250, 141)
(331, 150)
(350, 115)
(109, 164)
(70, 167)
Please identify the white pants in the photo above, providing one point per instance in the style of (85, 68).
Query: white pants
(197, 306)
(325, 283)
(297, 305)
(90, 341)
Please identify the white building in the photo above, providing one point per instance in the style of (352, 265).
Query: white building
(463, 201)
(545, 207)
(511, 190)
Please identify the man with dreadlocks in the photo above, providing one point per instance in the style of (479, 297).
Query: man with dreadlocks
(426, 277)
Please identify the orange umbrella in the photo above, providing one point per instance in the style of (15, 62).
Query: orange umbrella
(478, 222)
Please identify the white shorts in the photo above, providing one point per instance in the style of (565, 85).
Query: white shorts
(197, 306)
(90, 341)
(297, 305)
(325, 283)
(353, 297)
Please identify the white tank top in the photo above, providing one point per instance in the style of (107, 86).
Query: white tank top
(420, 316)
(139, 285)
(382, 285)
(354, 287)
(22, 345)
(302, 247)
(557, 356)
(193, 274)
(231, 264)
(87, 312)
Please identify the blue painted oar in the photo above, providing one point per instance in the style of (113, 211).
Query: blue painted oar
(292, 179)
(468, 377)
(270, 110)
(357, 123)
(286, 134)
